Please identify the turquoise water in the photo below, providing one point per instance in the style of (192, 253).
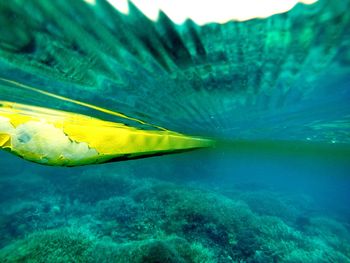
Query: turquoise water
(274, 93)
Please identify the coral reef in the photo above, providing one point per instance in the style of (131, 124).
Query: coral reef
(105, 216)
(60, 245)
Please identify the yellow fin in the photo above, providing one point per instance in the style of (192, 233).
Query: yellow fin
(4, 140)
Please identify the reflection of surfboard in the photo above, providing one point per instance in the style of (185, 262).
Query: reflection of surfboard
(63, 138)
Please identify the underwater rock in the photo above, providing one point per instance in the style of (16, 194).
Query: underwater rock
(168, 250)
(159, 252)
(266, 203)
(246, 245)
(73, 245)
(59, 245)
(148, 220)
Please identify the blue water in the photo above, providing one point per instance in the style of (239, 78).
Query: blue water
(274, 93)
(154, 205)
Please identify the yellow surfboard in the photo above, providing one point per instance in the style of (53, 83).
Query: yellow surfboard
(61, 138)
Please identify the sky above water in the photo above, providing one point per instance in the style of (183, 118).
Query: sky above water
(203, 12)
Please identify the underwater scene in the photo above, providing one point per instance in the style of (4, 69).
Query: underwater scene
(175, 131)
